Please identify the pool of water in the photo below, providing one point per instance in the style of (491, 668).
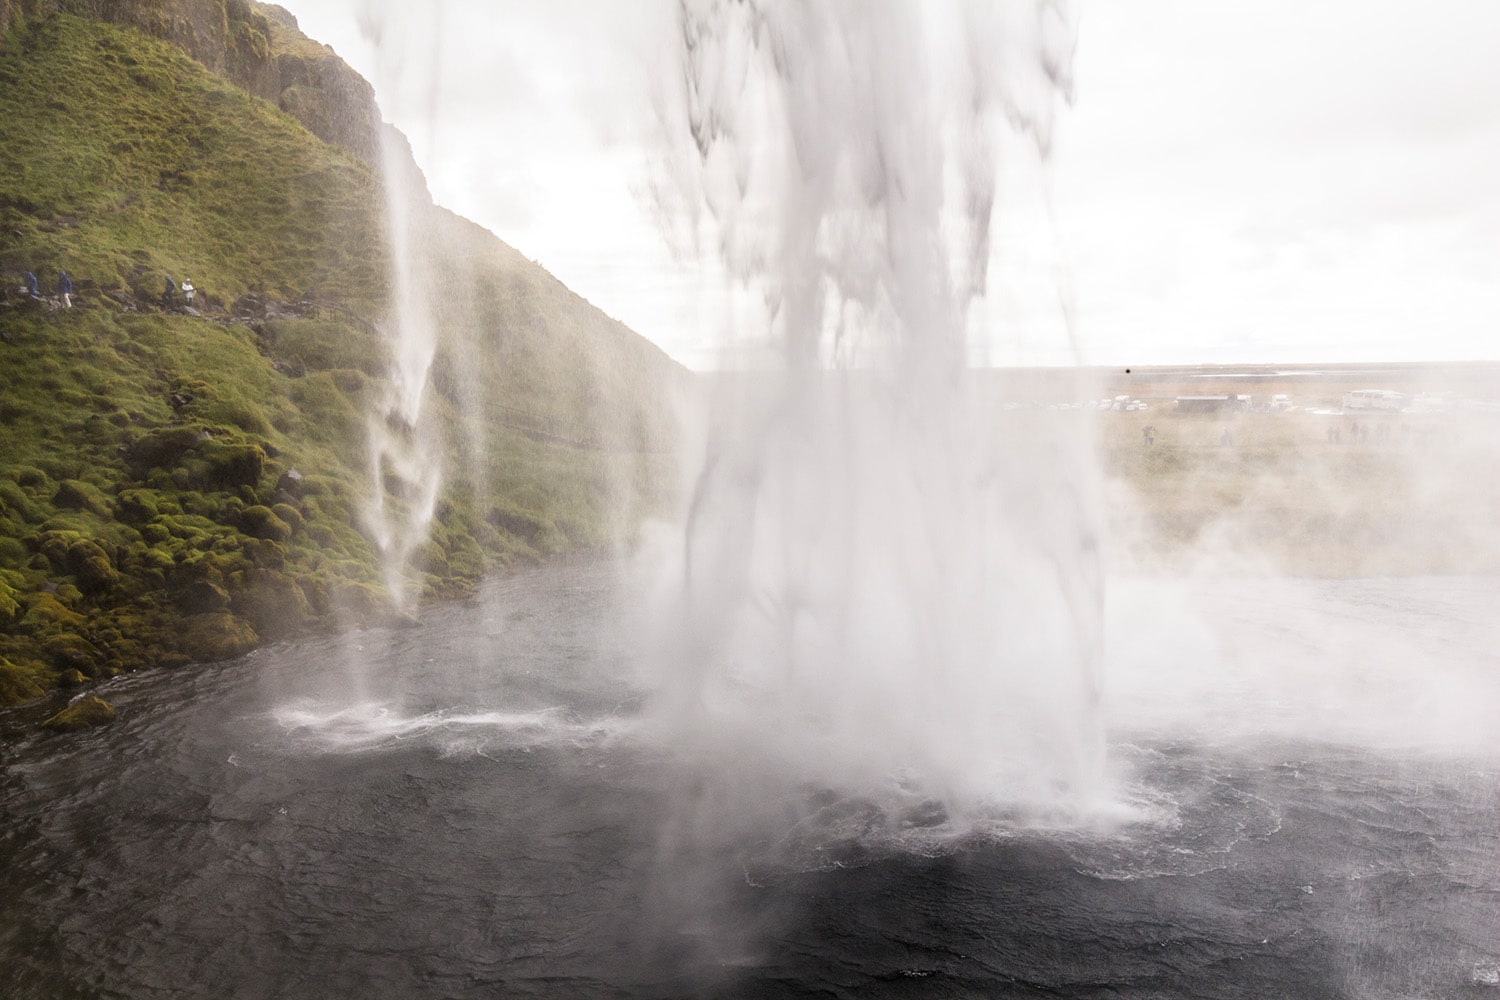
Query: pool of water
(1305, 803)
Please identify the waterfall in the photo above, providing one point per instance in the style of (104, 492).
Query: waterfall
(881, 572)
(405, 471)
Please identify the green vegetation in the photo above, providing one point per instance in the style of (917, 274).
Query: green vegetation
(1266, 492)
(122, 160)
(177, 488)
(81, 714)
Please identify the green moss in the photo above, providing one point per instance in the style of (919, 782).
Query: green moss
(18, 683)
(135, 506)
(68, 651)
(75, 495)
(262, 522)
(216, 636)
(10, 608)
(32, 478)
(289, 515)
(202, 596)
(357, 602)
(229, 466)
(45, 613)
(84, 713)
(90, 565)
(271, 601)
(163, 167)
(163, 448)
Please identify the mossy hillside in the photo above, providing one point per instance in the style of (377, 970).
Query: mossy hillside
(147, 514)
(122, 160)
(138, 494)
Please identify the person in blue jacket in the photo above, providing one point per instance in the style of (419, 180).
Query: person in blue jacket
(31, 285)
(65, 289)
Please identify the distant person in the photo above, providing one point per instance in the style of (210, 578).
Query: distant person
(65, 289)
(1227, 438)
(170, 293)
(31, 286)
(1148, 435)
(188, 291)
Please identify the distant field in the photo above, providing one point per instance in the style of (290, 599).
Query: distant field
(1318, 493)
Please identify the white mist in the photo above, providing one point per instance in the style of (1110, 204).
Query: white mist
(882, 580)
(405, 470)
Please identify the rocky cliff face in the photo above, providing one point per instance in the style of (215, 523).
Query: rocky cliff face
(257, 45)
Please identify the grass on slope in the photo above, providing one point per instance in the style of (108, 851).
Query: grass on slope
(146, 514)
(123, 160)
(140, 516)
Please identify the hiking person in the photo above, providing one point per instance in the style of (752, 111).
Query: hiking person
(31, 286)
(171, 292)
(188, 290)
(65, 289)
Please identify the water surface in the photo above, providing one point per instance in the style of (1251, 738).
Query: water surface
(479, 807)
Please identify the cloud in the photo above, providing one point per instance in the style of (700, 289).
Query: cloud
(1317, 175)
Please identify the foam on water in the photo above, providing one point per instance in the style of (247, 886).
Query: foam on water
(369, 726)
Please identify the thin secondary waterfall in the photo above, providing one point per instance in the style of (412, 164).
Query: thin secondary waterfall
(405, 470)
(882, 572)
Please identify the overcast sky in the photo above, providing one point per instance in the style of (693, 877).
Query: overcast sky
(1278, 180)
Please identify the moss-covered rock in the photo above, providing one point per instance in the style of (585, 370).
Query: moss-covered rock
(70, 651)
(135, 506)
(292, 483)
(44, 612)
(289, 515)
(163, 448)
(19, 683)
(74, 494)
(265, 554)
(84, 713)
(32, 478)
(229, 466)
(262, 522)
(354, 602)
(272, 602)
(203, 596)
(215, 636)
(54, 546)
(13, 553)
(10, 608)
(90, 565)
